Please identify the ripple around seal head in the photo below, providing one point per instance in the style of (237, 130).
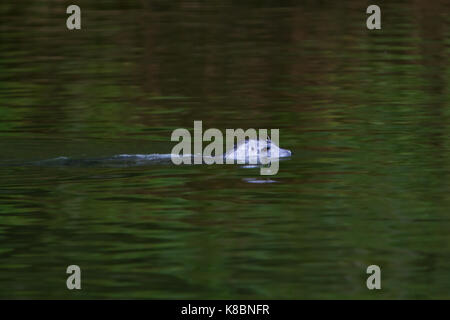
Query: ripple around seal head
(255, 180)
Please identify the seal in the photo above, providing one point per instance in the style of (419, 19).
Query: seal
(255, 151)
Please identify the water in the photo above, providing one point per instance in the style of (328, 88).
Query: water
(365, 113)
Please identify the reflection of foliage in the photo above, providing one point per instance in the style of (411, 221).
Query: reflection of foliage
(366, 115)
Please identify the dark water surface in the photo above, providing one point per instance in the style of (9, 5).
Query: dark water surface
(365, 113)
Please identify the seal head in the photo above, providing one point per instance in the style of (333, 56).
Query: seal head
(253, 151)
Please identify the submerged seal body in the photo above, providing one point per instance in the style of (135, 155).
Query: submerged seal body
(249, 151)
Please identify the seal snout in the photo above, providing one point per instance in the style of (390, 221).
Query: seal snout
(285, 153)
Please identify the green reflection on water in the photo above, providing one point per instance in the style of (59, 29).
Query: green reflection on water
(365, 113)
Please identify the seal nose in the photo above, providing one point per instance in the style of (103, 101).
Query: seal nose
(285, 153)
